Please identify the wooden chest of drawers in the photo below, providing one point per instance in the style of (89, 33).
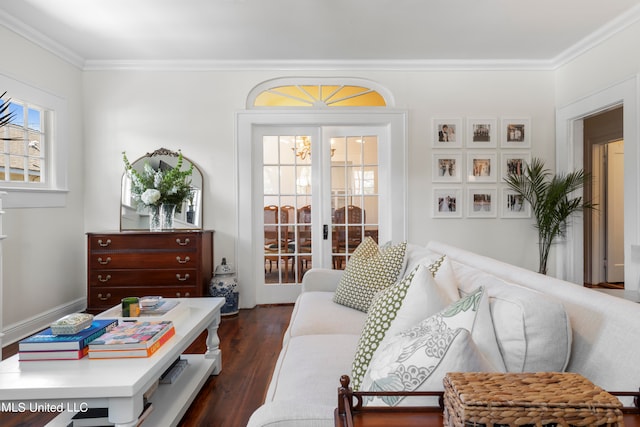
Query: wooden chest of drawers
(139, 263)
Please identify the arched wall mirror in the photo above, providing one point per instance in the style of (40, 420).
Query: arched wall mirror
(188, 216)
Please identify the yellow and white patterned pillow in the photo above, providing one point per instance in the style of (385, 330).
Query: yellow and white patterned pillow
(368, 271)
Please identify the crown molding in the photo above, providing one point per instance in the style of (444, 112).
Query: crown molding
(599, 36)
(607, 31)
(36, 37)
(318, 65)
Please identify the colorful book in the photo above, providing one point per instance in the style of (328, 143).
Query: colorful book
(141, 352)
(46, 340)
(53, 355)
(132, 335)
(162, 307)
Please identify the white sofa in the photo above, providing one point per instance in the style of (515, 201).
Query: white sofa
(602, 344)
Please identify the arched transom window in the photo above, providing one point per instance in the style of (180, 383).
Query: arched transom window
(318, 94)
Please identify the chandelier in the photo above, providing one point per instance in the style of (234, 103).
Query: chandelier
(303, 147)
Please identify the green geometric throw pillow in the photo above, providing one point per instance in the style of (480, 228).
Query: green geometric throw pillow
(368, 271)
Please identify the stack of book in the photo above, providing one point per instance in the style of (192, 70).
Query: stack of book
(132, 339)
(46, 345)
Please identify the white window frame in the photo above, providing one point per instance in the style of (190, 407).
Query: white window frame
(53, 192)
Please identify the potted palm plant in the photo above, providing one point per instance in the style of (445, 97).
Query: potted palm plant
(551, 203)
(5, 114)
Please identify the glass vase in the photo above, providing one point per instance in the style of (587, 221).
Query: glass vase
(167, 213)
(154, 218)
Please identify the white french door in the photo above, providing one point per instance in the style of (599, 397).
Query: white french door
(315, 193)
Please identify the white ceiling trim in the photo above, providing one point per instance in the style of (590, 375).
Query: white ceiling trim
(322, 65)
(600, 36)
(594, 39)
(40, 39)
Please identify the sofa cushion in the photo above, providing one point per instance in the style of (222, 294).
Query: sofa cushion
(309, 368)
(533, 329)
(444, 275)
(394, 309)
(407, 360)
(368, 271)
(316, 313)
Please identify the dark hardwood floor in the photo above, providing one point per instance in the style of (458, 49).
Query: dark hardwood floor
(250, 343)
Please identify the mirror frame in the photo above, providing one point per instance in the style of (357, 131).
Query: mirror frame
(162, 152)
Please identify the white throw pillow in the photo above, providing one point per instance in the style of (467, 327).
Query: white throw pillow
(410, 357)
(395, 309)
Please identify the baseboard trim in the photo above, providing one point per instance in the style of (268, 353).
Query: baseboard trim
(17, 331)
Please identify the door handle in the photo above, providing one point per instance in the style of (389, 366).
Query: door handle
(325, 231)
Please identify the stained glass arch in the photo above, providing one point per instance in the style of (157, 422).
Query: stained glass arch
(318, 93)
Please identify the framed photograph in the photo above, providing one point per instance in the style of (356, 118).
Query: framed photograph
(482, 133)
(447, 132)
(447, 202)
(514, 162)
(482, 202)
(514, 205)
(447, 167)
(481, 167)
(516, 132)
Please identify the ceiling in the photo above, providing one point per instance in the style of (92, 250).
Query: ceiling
(542, 32)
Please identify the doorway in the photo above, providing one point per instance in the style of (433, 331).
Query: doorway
(345, 130)
(604, 226)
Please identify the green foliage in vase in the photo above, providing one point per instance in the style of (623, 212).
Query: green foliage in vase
(551, 203)
(153, 187)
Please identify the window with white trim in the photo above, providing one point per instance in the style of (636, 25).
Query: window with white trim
(24, 142)
(34, 149)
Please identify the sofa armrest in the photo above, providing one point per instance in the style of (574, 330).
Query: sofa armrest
(321, 279)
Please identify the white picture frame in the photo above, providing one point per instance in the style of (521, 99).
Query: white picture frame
(447, 167)
(447, 132)
(447, 202)
(481, 167)
(482, 132)
(516, 132)
(514, 162)
(482, 202)
(513, 205)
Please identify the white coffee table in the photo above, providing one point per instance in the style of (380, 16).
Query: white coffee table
(119, 384)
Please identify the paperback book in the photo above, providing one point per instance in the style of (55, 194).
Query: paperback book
(97, 353)
(53, 354)
(46, 340)
(132, 335)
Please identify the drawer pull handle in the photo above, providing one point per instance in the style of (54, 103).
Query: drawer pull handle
(101, 298)
(181, 242)
(182, 279)
(104, 244)
(106, 279)
(105, 262)
(187, 295)
(183, 261)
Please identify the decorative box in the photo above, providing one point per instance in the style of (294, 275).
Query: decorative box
(71, 324)
(540, 399)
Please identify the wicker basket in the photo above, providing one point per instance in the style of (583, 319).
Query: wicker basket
(536, 399)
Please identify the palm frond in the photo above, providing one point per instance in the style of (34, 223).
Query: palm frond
(550, 197)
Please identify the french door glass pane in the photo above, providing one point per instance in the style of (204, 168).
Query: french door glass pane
(354, 194)
(287, 207)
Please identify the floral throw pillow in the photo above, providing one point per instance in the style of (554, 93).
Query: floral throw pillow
(368, 271)
(393, 310)
(418, 358)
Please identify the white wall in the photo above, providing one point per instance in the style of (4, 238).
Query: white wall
(140, 111)
(44, 254)
(194, 111)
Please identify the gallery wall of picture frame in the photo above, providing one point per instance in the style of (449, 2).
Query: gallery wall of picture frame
(476, 154)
